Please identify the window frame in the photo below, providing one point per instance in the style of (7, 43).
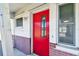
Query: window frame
(17, 22)
(67, 45)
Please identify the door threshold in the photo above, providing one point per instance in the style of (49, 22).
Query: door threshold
(32, 54)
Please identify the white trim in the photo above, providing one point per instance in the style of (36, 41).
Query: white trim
(57, 22)
(77, 24)
(53, 23)
(62, 3)
(40, 8)
(31, 17)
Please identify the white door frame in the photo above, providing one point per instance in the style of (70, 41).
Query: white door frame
(38, 9)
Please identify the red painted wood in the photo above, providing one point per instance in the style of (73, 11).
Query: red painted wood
(40, 44)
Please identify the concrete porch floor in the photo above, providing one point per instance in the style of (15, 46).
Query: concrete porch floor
(18, 53)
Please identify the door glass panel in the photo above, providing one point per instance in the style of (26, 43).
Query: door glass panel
(43, 26)
(66, 24)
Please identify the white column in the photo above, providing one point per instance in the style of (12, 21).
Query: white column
(53, 23)
(5, 30)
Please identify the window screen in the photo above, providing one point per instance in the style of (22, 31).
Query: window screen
(66, 24)
(19, 22)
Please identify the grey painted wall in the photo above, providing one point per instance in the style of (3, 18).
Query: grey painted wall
(23, 44)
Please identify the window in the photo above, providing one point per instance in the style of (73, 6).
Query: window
(66, 24)
(19, 22)
(43, 26)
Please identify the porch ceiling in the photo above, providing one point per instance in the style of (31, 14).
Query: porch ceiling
(16, 6)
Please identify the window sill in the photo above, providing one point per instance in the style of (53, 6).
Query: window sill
(69, 49)
(21, 28)
(67, 46)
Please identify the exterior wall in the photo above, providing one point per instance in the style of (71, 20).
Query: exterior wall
(21, 35)
(53, 28)
(24, 33)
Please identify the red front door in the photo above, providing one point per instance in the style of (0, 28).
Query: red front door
(41, 33)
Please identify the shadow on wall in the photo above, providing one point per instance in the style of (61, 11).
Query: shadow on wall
(1, 53)
(23, 44)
